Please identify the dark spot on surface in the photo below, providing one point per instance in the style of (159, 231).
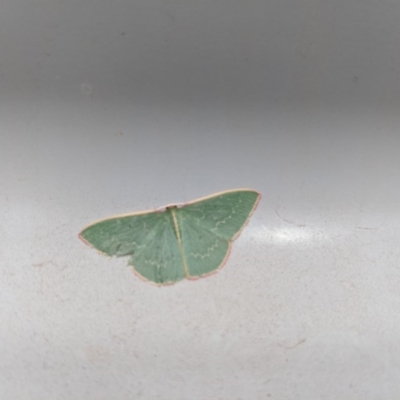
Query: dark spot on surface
(355, 79)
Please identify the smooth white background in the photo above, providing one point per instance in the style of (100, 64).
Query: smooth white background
(116, 106)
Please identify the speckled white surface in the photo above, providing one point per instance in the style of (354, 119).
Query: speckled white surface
(115, 108)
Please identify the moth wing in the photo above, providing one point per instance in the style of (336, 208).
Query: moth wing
(149, 239)
(203, 250)
(121, 235)
(159, 259)
(224, 214)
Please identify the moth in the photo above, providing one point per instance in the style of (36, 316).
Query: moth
(177, 242)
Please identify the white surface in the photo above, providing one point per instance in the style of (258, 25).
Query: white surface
(111, 107)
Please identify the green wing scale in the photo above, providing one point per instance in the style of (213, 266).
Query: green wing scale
(188, 241)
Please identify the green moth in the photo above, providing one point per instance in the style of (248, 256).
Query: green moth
(178, 241)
